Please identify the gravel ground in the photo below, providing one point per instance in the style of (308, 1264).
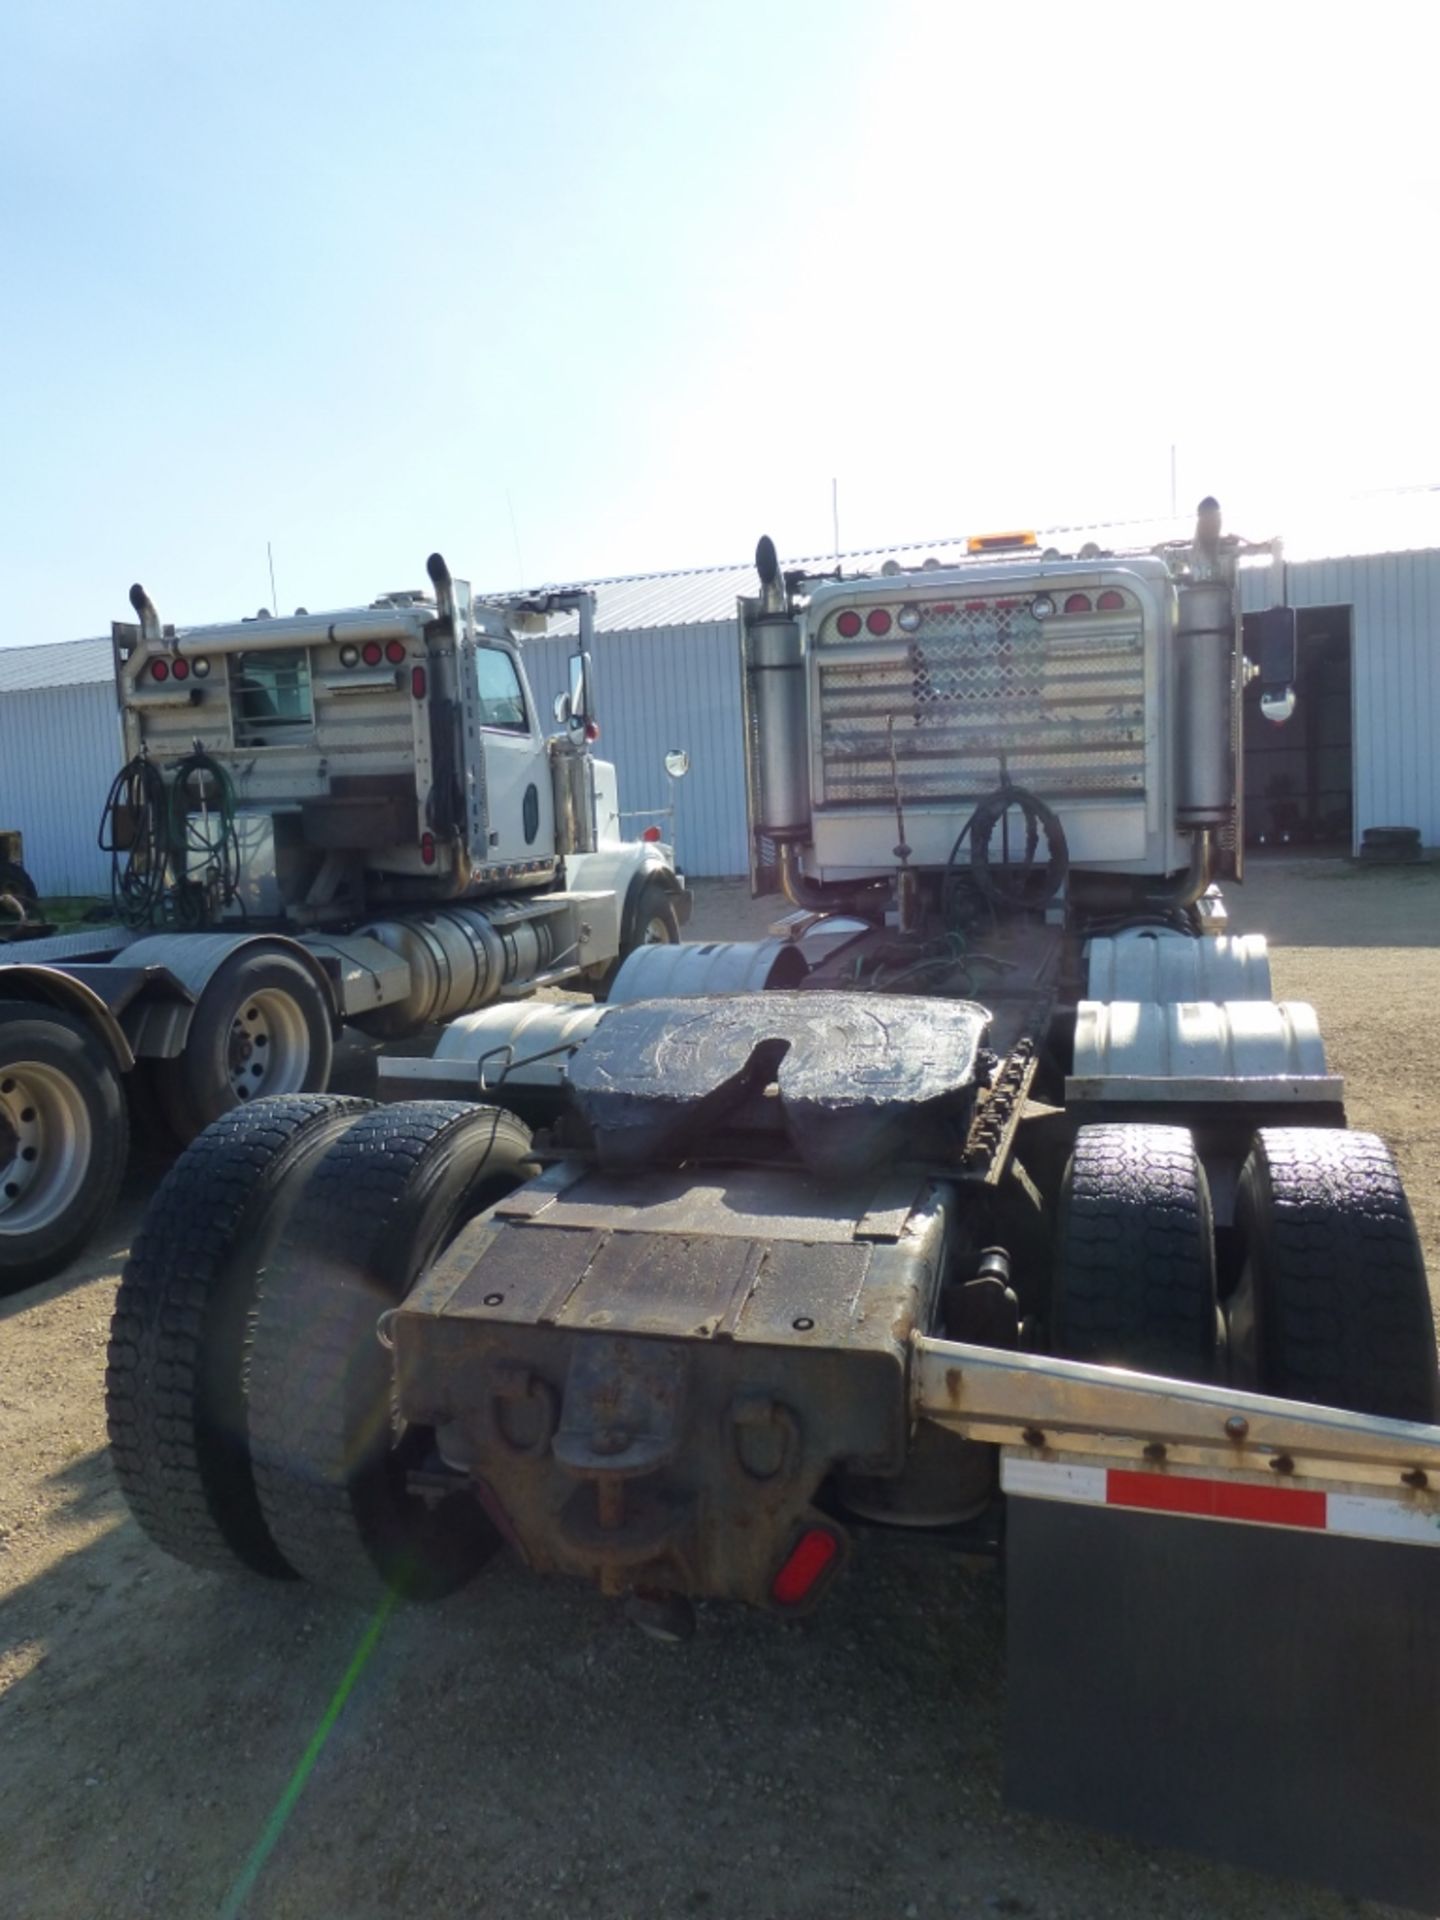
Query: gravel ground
(173, 1743)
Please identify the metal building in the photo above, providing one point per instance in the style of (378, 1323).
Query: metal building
(1360, 752)
(60, 748)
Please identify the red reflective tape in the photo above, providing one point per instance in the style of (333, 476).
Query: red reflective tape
(1216, 1499)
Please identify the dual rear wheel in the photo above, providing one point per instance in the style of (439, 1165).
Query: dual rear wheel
(248, 1396)
(1331, 1306)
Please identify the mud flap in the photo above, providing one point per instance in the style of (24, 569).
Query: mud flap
(1261, 1696)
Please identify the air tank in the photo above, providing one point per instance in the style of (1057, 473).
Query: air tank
(780, 744)
(1205, 665)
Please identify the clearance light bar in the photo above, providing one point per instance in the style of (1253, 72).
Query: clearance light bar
(1000, 543)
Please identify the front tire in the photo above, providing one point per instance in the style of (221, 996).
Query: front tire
(331, 1462)
(654, 923)
(1135, 1263)
(1332, 1305)
(262, 1028)
(64, 1140)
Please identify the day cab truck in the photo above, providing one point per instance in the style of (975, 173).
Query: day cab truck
(327, 821)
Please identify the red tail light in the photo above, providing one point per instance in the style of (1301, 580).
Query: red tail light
(159, 670)
(808, 1562)
(427, 849)
(372, 653)
(878, 620)
(181, 669)
(418, 682)
(651, 833)
(847, 624)
(1077, 603)
(1110, 601)
(395, 652)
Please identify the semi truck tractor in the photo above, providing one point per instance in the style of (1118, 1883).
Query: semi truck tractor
(327, 821)
(993, 1198)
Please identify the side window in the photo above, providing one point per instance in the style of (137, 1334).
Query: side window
(502, 703)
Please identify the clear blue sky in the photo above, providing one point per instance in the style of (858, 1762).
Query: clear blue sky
(362, 279)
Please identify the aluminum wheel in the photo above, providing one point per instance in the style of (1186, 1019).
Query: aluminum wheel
(45, 1145)
(269, 1046)
(657, 932)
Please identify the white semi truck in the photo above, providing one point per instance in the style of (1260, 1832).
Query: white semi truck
(330, 820)
(1011, 1210)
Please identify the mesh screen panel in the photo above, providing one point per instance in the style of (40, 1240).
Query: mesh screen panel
(1063, 700)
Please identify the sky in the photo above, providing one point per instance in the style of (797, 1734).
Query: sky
(596, 287)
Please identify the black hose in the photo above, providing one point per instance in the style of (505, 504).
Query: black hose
(139, 857)
(1021, 889)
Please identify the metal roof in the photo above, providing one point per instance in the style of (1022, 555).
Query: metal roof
(63, 663)
(1396, 521)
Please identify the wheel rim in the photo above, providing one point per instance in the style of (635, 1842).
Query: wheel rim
(657, 932)
(45, 1142)
(269, 1046)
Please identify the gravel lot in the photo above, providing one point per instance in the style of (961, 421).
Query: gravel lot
(170, 1742)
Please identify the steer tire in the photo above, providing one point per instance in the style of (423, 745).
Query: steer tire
(210, 1078)
(63, 1153)
(331, 1458)
(1135, 1262)
(1332, 1305)
(175, 1384)
(653, 923)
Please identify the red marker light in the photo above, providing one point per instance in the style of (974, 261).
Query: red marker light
(427, 849)
(592, 730)
(1110, 601)
(372, 653)
(395, 652)
(652, 834)
(847, 624)
(159, 670)
(878, 620)
(1077, 603)
(418, 682)
(809, 1560)
(181, 669)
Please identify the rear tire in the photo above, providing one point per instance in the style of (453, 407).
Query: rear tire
(262, 1028)
(175, 1384)
(1332, 1305)
(64, 1139)
(331, 1463)
(1135, 1262)
(14, 879)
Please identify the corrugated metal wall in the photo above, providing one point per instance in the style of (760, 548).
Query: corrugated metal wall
(1396, 677)
(60, 748)
(659, 688)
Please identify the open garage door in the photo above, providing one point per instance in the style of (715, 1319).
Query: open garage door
(1300, 777)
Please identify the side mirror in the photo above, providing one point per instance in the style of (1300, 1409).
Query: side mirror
(1276, 653)
(562, 709)
(677, 763)
(580, 712)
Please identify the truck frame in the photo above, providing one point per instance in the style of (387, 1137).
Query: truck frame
(328, 821)
(992, 1197)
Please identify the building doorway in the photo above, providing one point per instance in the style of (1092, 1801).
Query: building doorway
(1300, 777)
